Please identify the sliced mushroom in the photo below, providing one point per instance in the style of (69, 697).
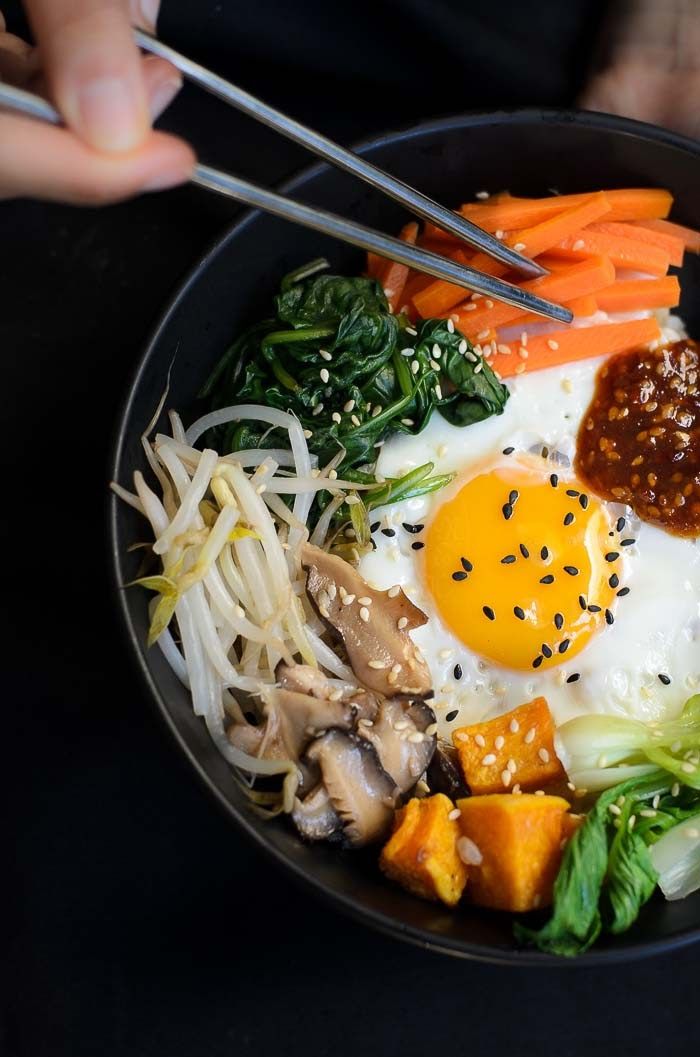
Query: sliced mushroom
(398, 733)
(374, 625)
(360, 791)
(444, 773)
(304, 679)
(315, 816)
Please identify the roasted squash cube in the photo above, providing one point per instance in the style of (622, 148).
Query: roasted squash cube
(422, 853)
(515, 750)
(514, 847)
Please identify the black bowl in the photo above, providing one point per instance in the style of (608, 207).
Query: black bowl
(528, 152)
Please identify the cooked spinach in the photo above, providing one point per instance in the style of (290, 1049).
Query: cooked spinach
(351, 371)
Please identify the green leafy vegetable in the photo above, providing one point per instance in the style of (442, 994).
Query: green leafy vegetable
(607, 874)
(336, 357)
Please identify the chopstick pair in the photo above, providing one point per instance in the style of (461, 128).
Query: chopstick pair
(320, 220)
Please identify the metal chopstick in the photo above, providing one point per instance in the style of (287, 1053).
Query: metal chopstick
(416, 202)
(329, 223)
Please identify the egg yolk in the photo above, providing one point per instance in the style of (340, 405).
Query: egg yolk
(522, 566)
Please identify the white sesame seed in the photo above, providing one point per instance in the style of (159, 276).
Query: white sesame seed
(516, 788)
(317, 410)
(416, 737)
(520, 369)
(325, 376)
(308, 434)
(335, 695)
(543, 755)
(450, 326)
(333, 475)
(578, 245)
(412, 331)
(415, 367)
(444, 654)
(648, 812)
(488, 759)
(480, 740)
(471, 306)
(393, 591)
(468, 852)
(523, 353)
(347, 599)
(454, 814)
(402, 724)
(689, 768)
(488, 302)
(571, 786)
(364, 614)
(365, 723)
(614, 809)
(530, 736)
(461, 736)
(539, 792)
(504, 350)
(365, 601)
(479, 367)
(499, 233)
(519, 247)
(499, 742)
(401, 623)
(514, 726)
(553, 345)
(377, 410)
(656, 801)
(483, 335)
(406, 421)
(567, 385)
(431, 729)
(675, 789)
(407, 352)
(438, 392)
(377, 665)
(506, 778)
(355, 420)
(349, 406)
(512, 766)
(434, 364)
(482, 195)
(523, 338)
(336, 416)
(631, 822)
(352, 500)
(326, 355)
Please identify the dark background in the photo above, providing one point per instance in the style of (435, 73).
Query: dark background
(136, 920)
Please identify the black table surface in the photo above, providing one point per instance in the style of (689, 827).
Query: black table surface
(137, 921)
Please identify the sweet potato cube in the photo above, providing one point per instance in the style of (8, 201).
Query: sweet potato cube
(422, 852)
(519, 843)
(513, 750)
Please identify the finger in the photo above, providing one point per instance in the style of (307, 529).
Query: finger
(18, 60)
(93, 70)
(144, 13)
(162, 82)
(40, 161)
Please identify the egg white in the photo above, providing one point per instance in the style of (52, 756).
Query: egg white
(657, 626)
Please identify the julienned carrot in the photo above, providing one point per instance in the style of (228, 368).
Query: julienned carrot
(671, 244)
(594, 273)
(540, 237)
(579, 306)
(393, 275)
(627, 204)
(691, 238)
(577, 343)
(624, 253)
(634, 295)
(440, 295)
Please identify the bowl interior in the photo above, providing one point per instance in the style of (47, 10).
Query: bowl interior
(530, 153)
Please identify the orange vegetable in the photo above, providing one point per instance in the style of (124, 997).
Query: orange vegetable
(524, 736)
(624, 253)
(391, 274)
(690, 237)
(440, 295)
(579, 306)
(533, 241)
(576, 280)
(511, 213)
(582, 343)
(632, 295)
(422, 853)
(672, 244)
(518, 840)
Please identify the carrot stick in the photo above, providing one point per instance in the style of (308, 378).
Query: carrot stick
(439, 295)
(577, 343)
(672, 244)
(393, 275)
(634, 295)
(583, 306)
(629, 204)
(624, 253)
(691, 238)
(595, 273)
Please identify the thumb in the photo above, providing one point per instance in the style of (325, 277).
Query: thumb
(93, 70)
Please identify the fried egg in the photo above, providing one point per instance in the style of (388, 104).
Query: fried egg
(531, 585)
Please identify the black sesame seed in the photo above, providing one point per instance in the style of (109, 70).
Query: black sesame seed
(623, 591)
(457, 671)
(612, 556)
(519, 612)
(627, 543)
(466, 565)
(583, 500)
(459, 575)
(594, 609)
(508, 559)
(558, 621)
(374, 526)
(417, 546)
(508, 451)
(568, 519)
(582, 601)
(412, 528)
(489, 613)
(614, 580)
(553, 480)
(572, 492)
(563, 645)
(620, 524)
(451, 715)
(507, 511)
(388, 532)
(544, 554)
(546, 650)
(665, 679)
(545, 453)
(571, 570)
(574, 677)
(524, 551)
(537, 661)
(548, 579)
(609, 618)
(513, 497)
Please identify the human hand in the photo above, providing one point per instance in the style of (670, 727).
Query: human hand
(87, 64)
(651, 65)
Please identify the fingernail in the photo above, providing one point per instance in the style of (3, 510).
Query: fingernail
(162, 95)
(110, 114)
(164, 180)
(149, 13)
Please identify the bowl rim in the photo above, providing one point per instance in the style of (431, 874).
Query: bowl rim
(379, 920)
